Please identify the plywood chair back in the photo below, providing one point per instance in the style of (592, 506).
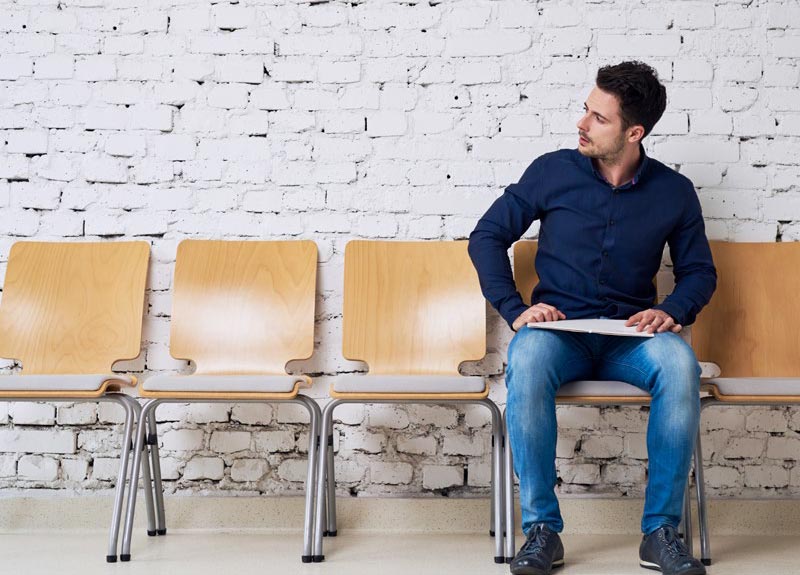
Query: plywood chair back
(243, 307)
(412, 307)
(749, 329)
(73, 308)
(525, 275)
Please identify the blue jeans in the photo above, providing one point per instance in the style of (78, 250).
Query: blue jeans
(540, 361)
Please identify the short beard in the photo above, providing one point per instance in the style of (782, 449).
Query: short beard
(609, 155)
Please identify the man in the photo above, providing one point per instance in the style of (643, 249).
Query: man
(606, 213)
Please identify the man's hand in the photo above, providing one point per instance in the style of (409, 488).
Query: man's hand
(537, 313)
(653, 321)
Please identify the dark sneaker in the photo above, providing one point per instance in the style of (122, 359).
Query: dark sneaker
(541, 552)
(664, 551)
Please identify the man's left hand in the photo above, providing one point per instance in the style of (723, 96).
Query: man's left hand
(653, 321)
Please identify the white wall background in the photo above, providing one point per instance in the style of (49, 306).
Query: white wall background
(331, 120)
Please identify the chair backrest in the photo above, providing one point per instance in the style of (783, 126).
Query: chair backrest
(412, 307)
(243, 307)
(73, 307)
(750, 328)
(525, 275)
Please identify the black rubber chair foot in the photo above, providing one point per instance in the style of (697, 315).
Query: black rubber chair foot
(325, 533)
(499, 559)
(509, 560)
(125, 557)
(161, 531)
(705, 561)
(306, 558)
(491, 533)
(332, 533)
(318, 558)
(151, 533)
(111, 558)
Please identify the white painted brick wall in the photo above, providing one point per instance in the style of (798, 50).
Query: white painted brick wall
(338, 120)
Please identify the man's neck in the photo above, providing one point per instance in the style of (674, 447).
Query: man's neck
(620, 170)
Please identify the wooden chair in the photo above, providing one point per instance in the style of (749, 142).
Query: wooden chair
(573, 393)
(413, 312)
(241, 311)
(749, 329)
(69, 311)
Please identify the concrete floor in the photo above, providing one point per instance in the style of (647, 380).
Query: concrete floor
(355, 553)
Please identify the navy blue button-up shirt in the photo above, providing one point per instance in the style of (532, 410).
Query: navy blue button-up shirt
(599, 247)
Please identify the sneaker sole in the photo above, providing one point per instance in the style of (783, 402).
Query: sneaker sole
(555, 565)
(655, 567)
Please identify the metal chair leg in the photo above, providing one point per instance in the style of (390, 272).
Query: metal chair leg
(702, 509)
(158, 488)
(497, 479)
(687, 516)
(141, 432)
(491, 496)
(508, 490)
(122, 474)
(148, 495)
(315, 415)
(325, 428)
(330, 530)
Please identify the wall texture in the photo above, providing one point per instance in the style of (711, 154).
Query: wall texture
(167, 119)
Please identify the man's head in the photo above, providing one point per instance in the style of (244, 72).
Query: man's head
(621, 110)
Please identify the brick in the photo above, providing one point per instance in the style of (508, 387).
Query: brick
(26, 413)
(638, 45)
(580, 473)
(248, 470)
(182, 440)
(293, 470)
(483, 43)
(204, 468)
(602, 447)
(456, 444)
(230, 441)
(441, 476)
(37, 468)
(36, 441)
(390, 473)
(420, 445)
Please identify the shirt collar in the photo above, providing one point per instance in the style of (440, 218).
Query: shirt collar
(644, 160)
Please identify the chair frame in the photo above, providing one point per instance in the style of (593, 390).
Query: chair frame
(39, 304)
(368, 279)
(745, 348)
(193, 274)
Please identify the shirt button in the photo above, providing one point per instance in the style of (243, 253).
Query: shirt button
(605, 253)
(611, 222)
(602, 282)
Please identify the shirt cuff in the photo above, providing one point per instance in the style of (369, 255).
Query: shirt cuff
(673, 310)
(512, 311)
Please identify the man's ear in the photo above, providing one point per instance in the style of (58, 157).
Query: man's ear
(635, 133)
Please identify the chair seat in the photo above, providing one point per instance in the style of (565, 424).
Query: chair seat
(411, 384)
(223, 383)
(61, 382)
(600, 389)
(780, 386)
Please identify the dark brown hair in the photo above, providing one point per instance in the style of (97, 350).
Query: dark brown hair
(642, 98)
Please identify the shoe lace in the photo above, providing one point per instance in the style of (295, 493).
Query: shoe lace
(536, 541)
(672, 543)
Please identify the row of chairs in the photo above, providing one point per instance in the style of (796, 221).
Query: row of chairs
(413, 312)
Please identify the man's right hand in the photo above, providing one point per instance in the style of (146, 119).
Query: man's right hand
(536, 313)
